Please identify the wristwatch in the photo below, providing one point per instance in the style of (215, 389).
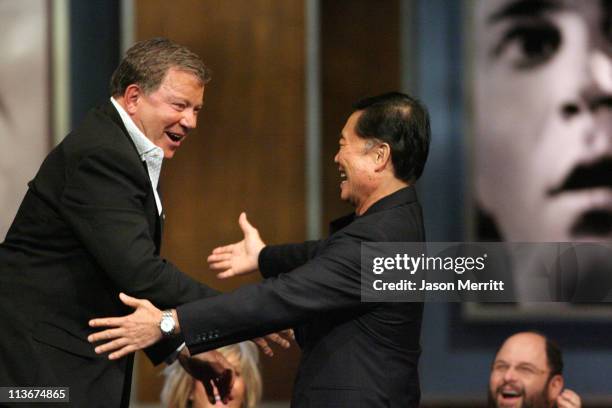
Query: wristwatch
(167, 323)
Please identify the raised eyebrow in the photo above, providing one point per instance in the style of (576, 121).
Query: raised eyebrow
(525, 8)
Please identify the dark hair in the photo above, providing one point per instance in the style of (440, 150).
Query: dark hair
(553, 357)
(147, 62)
(402, 122)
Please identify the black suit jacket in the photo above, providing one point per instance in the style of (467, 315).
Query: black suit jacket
(354, 354)
(87, 229)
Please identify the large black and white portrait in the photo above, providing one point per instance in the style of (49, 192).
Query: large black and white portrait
(540, 96)
(25, 135)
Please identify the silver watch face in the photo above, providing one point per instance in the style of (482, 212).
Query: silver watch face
(167, 325)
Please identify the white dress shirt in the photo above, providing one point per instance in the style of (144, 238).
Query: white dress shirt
(149, 153)
(153, 156)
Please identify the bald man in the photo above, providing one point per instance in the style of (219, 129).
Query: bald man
(528, 373)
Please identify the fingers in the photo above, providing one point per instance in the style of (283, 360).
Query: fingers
(116, 344)
(123, 352)
(107, 322)
(219, 257)
(221, 266)
(226, 274)
(210, 391)
(227, 249)
(120, 347)
(278, 340)
(262, 343)
(264, 347)
(105, 335)
(245, 226)
(289, 334)
(224, 384)
(569, 399)
(130, 301)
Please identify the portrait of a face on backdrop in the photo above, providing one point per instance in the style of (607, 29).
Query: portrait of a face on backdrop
(25, 134)
(540, 88)
(542, 99)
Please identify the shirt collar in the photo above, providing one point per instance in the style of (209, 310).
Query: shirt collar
(402, 196)
(144, 145)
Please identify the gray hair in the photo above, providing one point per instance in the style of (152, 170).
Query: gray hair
(147, 62)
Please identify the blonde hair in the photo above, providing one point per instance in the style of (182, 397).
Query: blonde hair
(179, 385)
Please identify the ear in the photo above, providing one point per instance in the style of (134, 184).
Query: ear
(382, 156)
(555, 386)
(131, 97)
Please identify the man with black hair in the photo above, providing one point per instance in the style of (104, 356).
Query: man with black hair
(354, 353)
(528, 373)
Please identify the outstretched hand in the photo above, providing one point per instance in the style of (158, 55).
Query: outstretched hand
(129, 333)
(241, 257)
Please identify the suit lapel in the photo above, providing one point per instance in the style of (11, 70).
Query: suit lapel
(154, 220)
(161, 220)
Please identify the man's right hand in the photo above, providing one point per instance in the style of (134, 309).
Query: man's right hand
(241, 257)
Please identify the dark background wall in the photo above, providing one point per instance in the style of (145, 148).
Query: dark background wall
(247, 153)
(94, 52)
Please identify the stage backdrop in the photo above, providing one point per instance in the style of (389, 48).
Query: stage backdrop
(25, 136)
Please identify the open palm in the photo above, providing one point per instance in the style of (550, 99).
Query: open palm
(241, 257)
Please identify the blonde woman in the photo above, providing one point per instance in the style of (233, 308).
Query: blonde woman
(181, 390)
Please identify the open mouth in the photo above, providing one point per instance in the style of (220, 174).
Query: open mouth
(510, 394)
(593, 223)
(343, 177)
(587, 176)
(175, 137)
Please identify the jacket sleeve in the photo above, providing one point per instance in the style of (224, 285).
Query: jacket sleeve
(276, 259)
(328, 282)
(103, 202)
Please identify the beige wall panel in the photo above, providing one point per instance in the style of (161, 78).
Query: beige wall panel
(360, 57)
(248, 150)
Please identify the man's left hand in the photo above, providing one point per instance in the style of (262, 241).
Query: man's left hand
(282, 338)
(129, 333)
(140, 330)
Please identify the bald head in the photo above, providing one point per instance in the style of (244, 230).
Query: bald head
(523, 375)
(538, 343)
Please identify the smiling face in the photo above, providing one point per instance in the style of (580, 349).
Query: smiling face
(520, 374)
(169, 113)
(543, 102)
(356, 164)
